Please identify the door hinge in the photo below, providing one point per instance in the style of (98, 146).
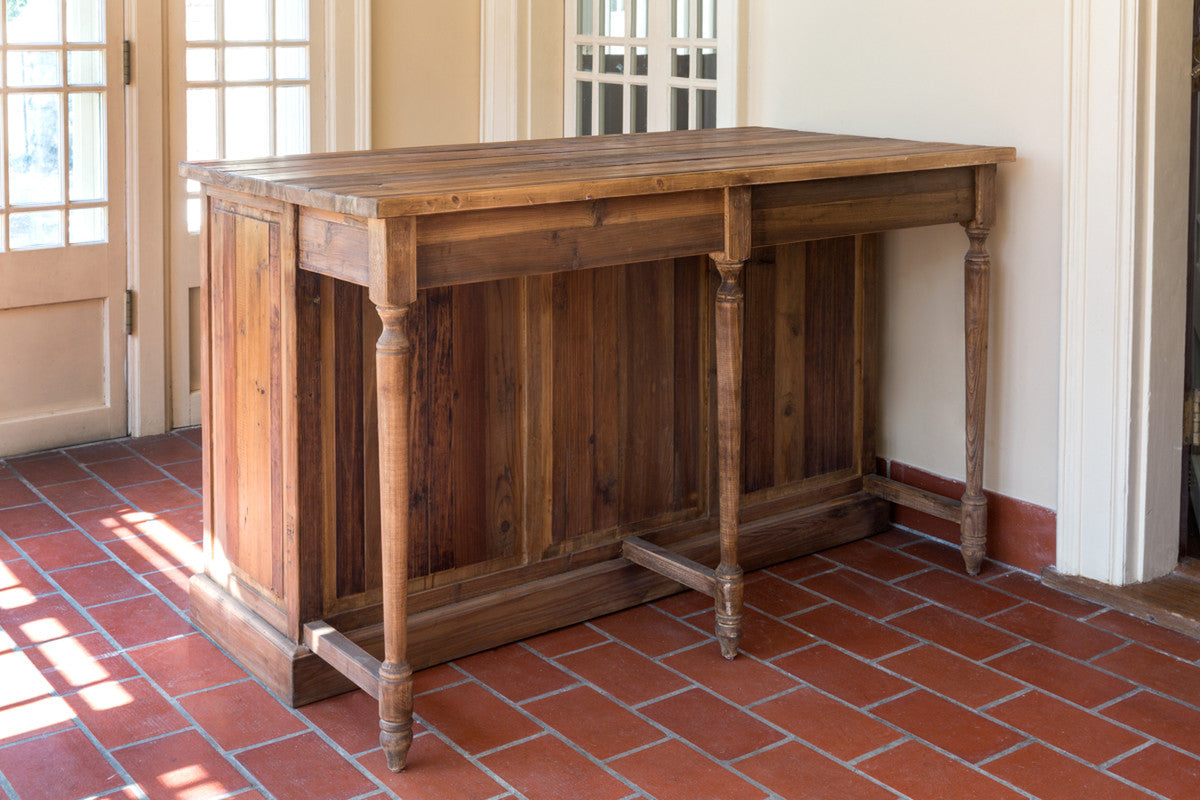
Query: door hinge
(1191, 418)
(127, 62)
(129, 312)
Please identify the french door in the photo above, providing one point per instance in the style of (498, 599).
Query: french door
(62, 225)
(246, 81)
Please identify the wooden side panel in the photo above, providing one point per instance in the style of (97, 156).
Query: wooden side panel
(627, 397)
(248, 527)
(802, 380)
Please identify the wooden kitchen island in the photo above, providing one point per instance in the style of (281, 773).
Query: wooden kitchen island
(457, 396)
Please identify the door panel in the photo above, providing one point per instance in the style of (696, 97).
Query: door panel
(62, 226)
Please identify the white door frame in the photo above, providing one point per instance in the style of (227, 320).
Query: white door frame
(1123, 287)
(348, 70)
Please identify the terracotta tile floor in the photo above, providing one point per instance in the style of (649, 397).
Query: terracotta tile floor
(875, 670)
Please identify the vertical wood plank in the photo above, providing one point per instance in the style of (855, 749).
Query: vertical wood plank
(537, 347)
(867, 305)
(689, 280)
(312, 488)
(467, 494)
(348, 438)
(789, 363)
(439, 344)
(829, 357)
(573, 403)
(758, 371)
(606, 392)
(502, 402)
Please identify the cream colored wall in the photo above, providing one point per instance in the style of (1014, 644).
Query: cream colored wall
(948, 70)
(424, 72)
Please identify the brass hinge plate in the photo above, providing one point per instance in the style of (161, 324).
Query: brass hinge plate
(127, 62)
(128, 312)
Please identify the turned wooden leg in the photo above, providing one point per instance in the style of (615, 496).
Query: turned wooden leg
(974, 508)
(393, 358)
(728, 593)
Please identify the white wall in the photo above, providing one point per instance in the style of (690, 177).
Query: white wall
(948, 70)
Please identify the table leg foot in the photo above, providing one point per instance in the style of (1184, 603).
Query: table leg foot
(729, 609)
(974, 533)
(395, 714)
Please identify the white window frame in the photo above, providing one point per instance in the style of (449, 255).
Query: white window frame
(659, 43)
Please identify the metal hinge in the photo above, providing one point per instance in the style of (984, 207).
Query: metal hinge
(128, 312)
(127, 62)
(1191, 418)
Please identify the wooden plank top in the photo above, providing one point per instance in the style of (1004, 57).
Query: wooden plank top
(428, 180)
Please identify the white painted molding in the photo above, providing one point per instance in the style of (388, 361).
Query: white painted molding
(501, 55)
(348, 74)
(1121, 357)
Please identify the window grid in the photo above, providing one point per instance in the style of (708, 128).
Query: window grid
(648, 89)
(248, 82)
(54, 164)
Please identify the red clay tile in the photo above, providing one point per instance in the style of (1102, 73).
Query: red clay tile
(648, 630)
(800, 568)
(593, 722)
(188, 473)
(515, 672)
(896, 538)
(53, 551)
(126, 471)
(34, 718)
(743, 680)
(762, 636)
(674, 771)
(101, 451)
(722, 730)
(77, 496)
(1031, 589)
(625, 674)
(952, 676)
(1059, 675)
(32, 520)
(1066, 727)
(684, 604)
(188, 522)
(78, 769)
(1052, 776)
(474, 718)
(879, 562)
(240, 715)
(565, 640)
(921, 772)
(22, 686)
(193, 434)
(108, 524)
(15, 493)
(1058, 632)
(140, 620)
(775, 596)
(47, 469)
(1161, 769)
(949, 557)
(165, 449)
(206, 665)
(1155, 670)
(1160, 717)
(435, 677)
(75, 662)
(173, 583)
(957, 730)
(954, 631)
(304, 767)
(21, 580)
(863, 593)
(1149, 634)
(126, 712)
(852, 631)
(546, 769)
(350, 720)
(434, 772)
(959, 592)
(841, 675)
(99, 583)
(162, 548)
(831, 725)
(793, 770)
(180, 765)
(159, 496)
(47, 618)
